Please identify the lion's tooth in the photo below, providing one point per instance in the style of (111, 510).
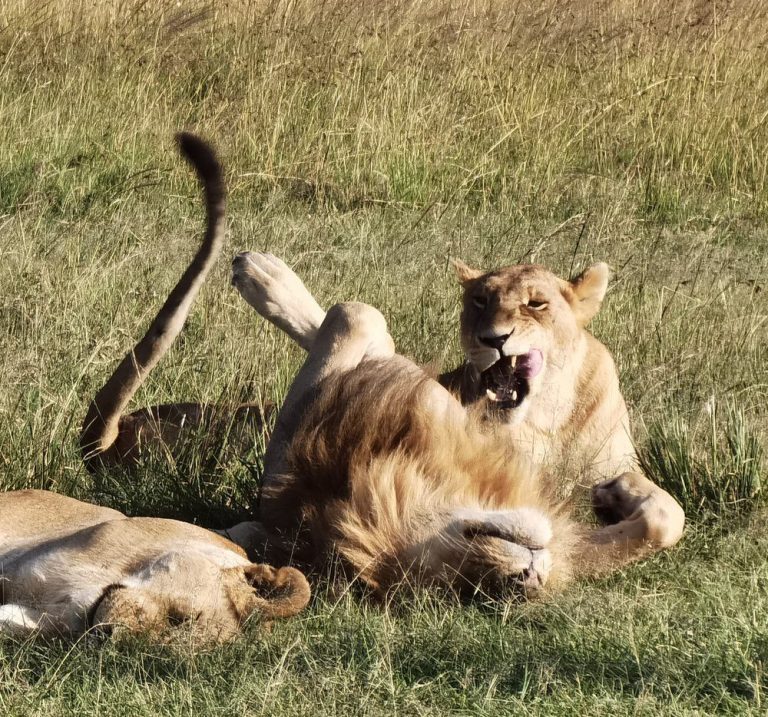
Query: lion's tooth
(514, 395)
(513, 361)
(491, 394)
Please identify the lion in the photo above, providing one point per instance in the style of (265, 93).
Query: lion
(108, 438)
(538, 372)
(375, 462)
(68, 567)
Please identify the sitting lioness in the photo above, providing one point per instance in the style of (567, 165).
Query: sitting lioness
(537, 369)
(68, 566)
(554, 387)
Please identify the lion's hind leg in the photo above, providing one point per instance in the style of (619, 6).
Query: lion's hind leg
(349, 334)
(271, 287)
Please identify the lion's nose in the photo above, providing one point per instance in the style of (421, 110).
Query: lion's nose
(531, 579)
(495, 342)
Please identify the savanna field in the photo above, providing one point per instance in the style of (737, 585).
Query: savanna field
(367, 144)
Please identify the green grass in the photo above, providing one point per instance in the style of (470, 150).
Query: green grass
(366, 147)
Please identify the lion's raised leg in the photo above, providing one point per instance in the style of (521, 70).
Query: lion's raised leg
(349, 334)
(271, 287)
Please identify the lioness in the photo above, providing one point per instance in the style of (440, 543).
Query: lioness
(373, 460)
(67, 566)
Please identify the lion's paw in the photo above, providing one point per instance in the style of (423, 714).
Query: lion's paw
(633, 504)
(617, 499)
(271, 287)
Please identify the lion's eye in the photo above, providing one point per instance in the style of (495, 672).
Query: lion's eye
(480, 301)
(536, 305)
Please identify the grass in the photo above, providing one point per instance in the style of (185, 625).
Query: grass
(367, 146)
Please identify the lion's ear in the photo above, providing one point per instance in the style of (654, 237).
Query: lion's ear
(464, 272)
(276, 592)
(587, 291)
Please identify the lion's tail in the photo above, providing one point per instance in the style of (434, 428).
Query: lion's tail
(102, 422)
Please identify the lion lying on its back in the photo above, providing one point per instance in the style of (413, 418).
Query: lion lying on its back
(370, 475)
(375, 461)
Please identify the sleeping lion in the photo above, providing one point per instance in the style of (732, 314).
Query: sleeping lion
(68, 566)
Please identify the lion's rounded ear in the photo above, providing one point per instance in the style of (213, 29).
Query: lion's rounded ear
(281, 592)
(587, 291)
(464, 272)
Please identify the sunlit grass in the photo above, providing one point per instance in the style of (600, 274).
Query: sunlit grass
(367, 144)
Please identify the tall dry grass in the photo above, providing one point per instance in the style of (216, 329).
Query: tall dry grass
(539, 109)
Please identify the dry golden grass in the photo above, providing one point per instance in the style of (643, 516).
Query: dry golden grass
(538, 109)
(366, 143)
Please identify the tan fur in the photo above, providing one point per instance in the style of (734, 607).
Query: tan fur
(573, 421)
(375, 462)
(108, 437)
(574, 414)
(68, 566)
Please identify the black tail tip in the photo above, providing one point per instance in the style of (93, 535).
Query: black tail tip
(201, 155)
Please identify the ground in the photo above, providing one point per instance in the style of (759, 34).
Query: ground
(367, 148)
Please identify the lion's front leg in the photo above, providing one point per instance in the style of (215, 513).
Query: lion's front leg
(271, 287)
(636, 510)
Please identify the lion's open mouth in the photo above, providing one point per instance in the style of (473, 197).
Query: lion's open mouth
(507, 382)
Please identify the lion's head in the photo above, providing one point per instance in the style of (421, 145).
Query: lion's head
(522, 327)
(190, 588)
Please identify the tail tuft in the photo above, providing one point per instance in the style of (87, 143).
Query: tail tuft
(202, 157)
(279, 593)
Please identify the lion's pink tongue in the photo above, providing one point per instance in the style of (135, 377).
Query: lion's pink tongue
(528, 365)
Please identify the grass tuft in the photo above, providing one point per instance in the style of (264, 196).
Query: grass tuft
(713, 466)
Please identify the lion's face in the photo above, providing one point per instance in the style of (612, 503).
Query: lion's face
(521, 327)
(504, 553)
